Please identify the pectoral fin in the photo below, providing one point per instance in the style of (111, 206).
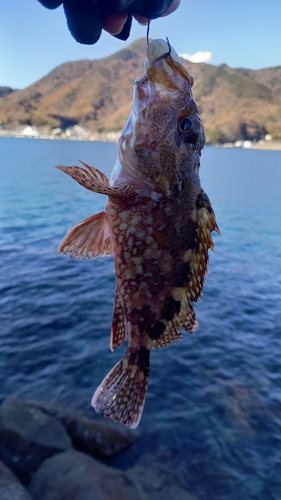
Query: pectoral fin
(92, 179)
(89, 177)
(88, 239)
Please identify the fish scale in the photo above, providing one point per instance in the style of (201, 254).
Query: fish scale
(157, 225)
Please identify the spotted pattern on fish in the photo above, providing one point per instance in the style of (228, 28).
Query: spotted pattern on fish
(157, 225)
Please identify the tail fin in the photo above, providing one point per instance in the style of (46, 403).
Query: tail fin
(121, 395)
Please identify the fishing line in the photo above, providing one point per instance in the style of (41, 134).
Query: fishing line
(147, 32)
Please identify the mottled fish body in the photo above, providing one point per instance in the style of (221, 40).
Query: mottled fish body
(157, 224)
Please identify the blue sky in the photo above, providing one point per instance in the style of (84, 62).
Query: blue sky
(240, 33)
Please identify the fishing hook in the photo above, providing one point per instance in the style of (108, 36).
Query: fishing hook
(166, 53)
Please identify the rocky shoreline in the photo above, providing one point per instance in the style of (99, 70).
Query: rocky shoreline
(75, 133)
(50, 453)
(78, 133)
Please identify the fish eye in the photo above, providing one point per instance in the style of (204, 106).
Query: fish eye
(185, 125)
(190, 127)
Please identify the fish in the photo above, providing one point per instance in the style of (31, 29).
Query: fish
(157, 225)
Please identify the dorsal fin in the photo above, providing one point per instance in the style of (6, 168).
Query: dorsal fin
(184, 319)
(198, 259)
(118, 328)
(187, 319)
(88, 239)
(170, 335)
(206, 218)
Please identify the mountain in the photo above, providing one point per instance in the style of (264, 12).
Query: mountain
(4, 91)
(233, 103)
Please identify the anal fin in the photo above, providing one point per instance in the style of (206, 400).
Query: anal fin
(88, 239)
(118, 328)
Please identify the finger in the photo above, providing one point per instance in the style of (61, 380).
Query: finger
(150, 9)
(141, 20)
(125, 33)
(114, 23)
(51, 4)
(174, 5)
(83, 21)
(144, 20)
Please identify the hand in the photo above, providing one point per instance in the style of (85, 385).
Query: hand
(87, 18)
(114, 22)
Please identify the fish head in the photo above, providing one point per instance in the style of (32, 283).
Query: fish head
(163, 137)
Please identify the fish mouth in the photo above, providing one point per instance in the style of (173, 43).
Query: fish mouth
(164, 90)
(164, 72)
(164, 66)
(166, 87)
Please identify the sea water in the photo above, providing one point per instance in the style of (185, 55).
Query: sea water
(212, 418)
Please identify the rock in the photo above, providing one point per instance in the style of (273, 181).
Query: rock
(27, 437)
(73, 475)
(160, 476)
(99, 438)
(156, 484)
(10, 488)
